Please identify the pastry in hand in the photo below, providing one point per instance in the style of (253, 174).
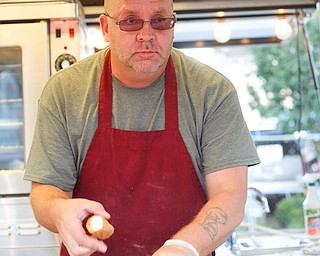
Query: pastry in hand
(99, 227)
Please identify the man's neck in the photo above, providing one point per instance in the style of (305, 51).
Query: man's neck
(137, 80)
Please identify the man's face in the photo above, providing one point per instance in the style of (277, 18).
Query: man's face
(145, 50)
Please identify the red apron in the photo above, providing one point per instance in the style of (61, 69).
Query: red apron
(145, 180)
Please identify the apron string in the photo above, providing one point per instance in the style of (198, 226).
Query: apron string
(171, 98)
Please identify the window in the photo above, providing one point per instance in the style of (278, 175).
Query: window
(11, 109)
(287, 135)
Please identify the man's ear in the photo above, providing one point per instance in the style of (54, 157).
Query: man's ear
(104, 27)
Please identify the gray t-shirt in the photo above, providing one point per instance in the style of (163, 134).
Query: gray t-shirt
(210, 119)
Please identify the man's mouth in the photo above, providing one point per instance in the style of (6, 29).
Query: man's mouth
(146, 53)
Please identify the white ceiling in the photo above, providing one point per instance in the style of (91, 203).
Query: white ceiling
(253, 20)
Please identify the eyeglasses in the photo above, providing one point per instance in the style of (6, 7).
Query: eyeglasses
(133, 24)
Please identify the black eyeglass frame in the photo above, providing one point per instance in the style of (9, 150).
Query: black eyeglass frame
(152, 21)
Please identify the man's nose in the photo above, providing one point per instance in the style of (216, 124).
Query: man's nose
(147, 33)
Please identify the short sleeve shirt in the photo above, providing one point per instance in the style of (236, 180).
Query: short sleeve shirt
(210, 119)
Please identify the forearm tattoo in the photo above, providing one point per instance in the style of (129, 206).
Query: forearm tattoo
(214, 217)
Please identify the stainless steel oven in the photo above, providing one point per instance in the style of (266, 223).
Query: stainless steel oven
(37, 38)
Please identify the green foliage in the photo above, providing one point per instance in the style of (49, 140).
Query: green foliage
(289, 212)
(280, 95)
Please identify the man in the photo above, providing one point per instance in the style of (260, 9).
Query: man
(139, 133)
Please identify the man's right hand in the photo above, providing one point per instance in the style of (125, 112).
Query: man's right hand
(70, 214)
(57, 211)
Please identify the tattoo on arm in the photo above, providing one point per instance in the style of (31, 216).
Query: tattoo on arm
(214, 217)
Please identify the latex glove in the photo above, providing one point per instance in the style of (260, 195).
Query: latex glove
(173, 250)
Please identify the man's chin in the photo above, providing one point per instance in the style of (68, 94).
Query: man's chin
(146, 66)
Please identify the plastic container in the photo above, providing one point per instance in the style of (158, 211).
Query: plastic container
(311, 208)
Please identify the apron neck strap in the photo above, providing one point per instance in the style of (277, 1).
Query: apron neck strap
(171, 97)
(105, 94)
